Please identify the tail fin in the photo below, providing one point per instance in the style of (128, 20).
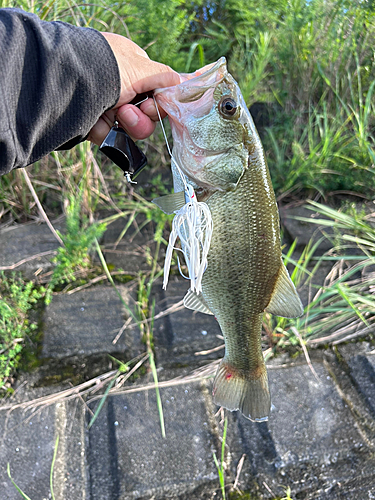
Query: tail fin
(238, 390)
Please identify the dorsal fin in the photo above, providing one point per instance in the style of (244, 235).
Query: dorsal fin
(196, 303)
(170, 203)
(285, 301)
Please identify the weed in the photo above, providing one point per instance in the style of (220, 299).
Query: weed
(313, 59)
(221, 467)
(288, 493)
(123, 368)
(343, 308)
(16, 298)
(23, 495)
(79, 238)
(241, 496)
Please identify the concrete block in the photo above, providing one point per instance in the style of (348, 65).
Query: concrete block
(87, 322)
(133, 253)
(311, 442)
(180, 335)
(28, 442)
(24, 241)
(362, 370)
(360, 361)
(129, 458)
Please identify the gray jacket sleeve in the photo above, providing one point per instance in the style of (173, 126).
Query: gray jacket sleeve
(55, 82)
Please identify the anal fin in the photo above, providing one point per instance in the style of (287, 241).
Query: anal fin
(196, 303)
(170, 203)
(285, 300)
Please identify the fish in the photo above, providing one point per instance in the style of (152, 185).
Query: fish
(219, 152)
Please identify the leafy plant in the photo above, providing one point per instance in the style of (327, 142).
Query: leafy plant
(79, 238)
(16, 298)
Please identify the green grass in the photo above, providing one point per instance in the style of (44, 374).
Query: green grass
(311, 62)
(78, 239)
(16, 299)
(344, 307)
(220, 464)
(23, 495)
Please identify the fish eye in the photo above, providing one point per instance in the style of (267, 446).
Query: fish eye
(227, 106)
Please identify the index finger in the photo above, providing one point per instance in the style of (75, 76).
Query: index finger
(156, 75)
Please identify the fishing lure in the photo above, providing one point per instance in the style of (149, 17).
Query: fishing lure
(124, 153)
(122, 150)
(192, 224)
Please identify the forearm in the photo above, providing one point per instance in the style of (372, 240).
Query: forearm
(55, 82)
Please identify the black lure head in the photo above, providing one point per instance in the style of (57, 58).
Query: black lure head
(122, 150)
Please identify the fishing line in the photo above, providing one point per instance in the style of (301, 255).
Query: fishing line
(169, 149)
(140, 102)
(193, 225)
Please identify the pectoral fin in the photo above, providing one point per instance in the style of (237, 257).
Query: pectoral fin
(196, 303)
(285, 301)
(170, 203)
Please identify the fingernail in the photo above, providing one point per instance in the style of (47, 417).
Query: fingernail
(129, 117)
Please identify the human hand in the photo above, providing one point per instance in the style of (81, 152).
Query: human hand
(138, 74)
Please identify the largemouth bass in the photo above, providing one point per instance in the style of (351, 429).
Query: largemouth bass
(220, 154)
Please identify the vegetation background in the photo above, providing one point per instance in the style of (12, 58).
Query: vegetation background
(310, 63)
(306, 70)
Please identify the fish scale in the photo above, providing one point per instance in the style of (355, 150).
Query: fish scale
(239, 249)
(219, 151)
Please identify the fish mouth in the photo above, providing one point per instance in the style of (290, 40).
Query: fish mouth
(204, 77)
(192, 88)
